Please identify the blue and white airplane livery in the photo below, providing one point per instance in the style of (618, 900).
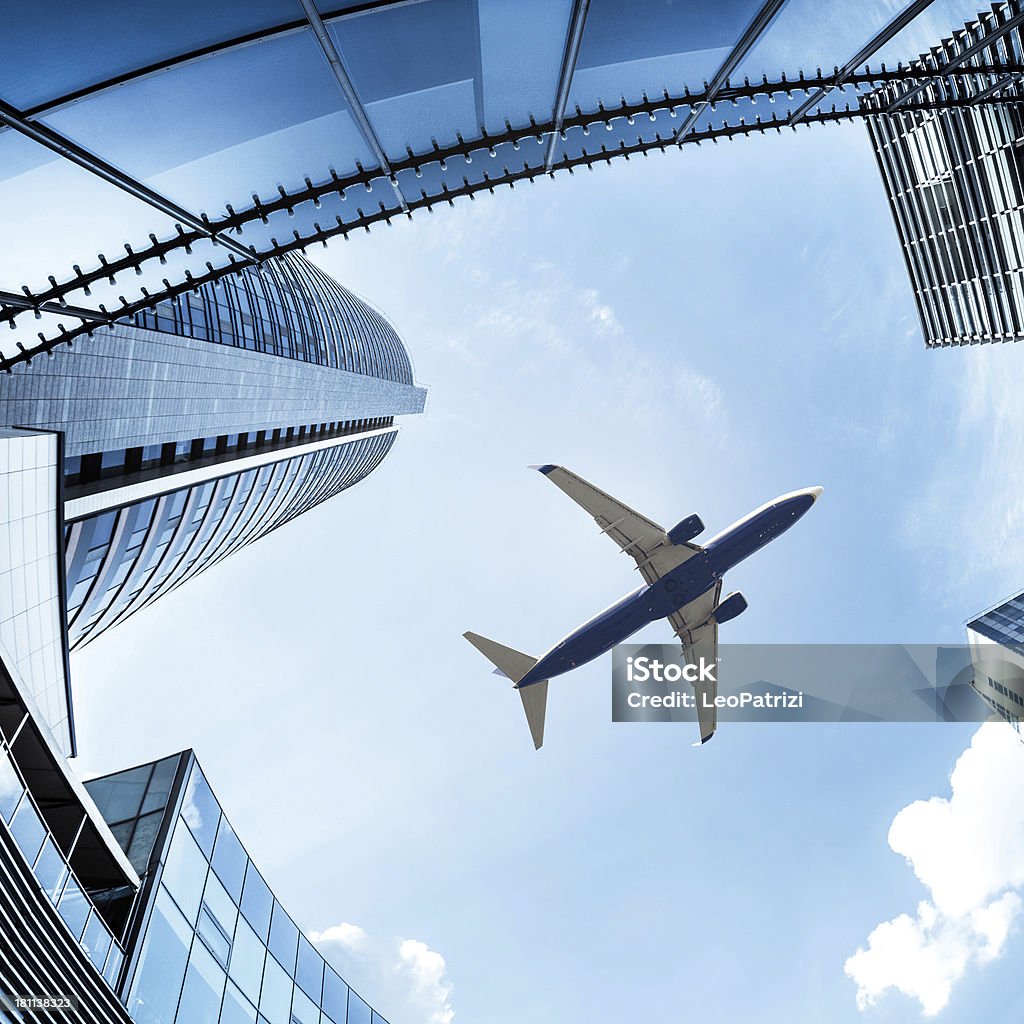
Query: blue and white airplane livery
(682, 583)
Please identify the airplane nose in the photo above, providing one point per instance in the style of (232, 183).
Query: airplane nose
(815, 492)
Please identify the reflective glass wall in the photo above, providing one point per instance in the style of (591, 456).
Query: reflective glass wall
(218, 946)
(287, 307)
(21, 815)
(121, 560)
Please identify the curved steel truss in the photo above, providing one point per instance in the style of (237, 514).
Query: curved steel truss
(956, 87)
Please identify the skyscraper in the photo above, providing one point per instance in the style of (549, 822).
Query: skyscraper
(155, 449)
(128, 464)
(207, 423)
(955, 180)
(996, 639)
(170, 924)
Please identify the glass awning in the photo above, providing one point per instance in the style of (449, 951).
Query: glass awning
(141, 153)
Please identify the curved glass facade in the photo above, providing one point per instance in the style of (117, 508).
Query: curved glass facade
(216, 945)
(84, 920)
(124, 559)
(287, 307)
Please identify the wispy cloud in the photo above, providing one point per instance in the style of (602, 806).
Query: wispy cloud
(979, 421)
(967, 849)
(348, 935)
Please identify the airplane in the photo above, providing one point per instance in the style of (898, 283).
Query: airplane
(682, 582)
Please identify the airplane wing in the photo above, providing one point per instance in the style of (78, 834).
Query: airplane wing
(645, 541)
(698, 633)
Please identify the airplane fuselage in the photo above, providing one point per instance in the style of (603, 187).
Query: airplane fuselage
(684, 584)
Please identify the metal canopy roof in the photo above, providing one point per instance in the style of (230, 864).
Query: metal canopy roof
(141, 153)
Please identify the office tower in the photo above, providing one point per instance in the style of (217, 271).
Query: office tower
(128, 464)
(205, 424)
(170, 924)
(996, 639)
(955, 180)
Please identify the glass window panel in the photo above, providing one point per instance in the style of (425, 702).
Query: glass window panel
(276, 105)
(204, 986)
(28, 830)
(358, 1011)
(807, 33)
(229, 860)
(521, 48)
(309, 971)
(284, 938)
(236, 1009)
(335, 1000)
(120, 796)
(154, 994)
(10, 787)
(185, 872)
(114, 961)
(646, 45)
(276, 996)
(257, 901)
(220, 905)
(214, 938)
(96, 941)
(74, 907)
(143, 837)
(201, 810)
(247, 956)
(304, 1010)
(162, 780)
(425, 80)
(96, 42)
(51, 870)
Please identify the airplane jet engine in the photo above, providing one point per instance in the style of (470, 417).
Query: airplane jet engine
(690, 527)
(735, 604)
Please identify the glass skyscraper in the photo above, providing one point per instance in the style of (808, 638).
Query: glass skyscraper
(202, 425)
(128, 464)
(996, 639)
(172, 924)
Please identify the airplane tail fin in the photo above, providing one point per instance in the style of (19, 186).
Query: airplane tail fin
(514, 665)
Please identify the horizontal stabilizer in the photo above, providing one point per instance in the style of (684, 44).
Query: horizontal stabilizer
(511, 663)
(514, 665)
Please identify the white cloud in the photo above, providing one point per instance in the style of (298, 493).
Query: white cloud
(426, 968)
(350, 935)
(968, 851)
(405, 977)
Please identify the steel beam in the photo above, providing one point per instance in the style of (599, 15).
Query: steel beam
(64, 147)
(355, 104)
(751, 35)
(573, 39)
(79, 312)
(999, 86)
(958, 61)
(54, 297)
(877, 41)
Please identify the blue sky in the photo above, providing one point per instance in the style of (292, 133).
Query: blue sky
(696, 332)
